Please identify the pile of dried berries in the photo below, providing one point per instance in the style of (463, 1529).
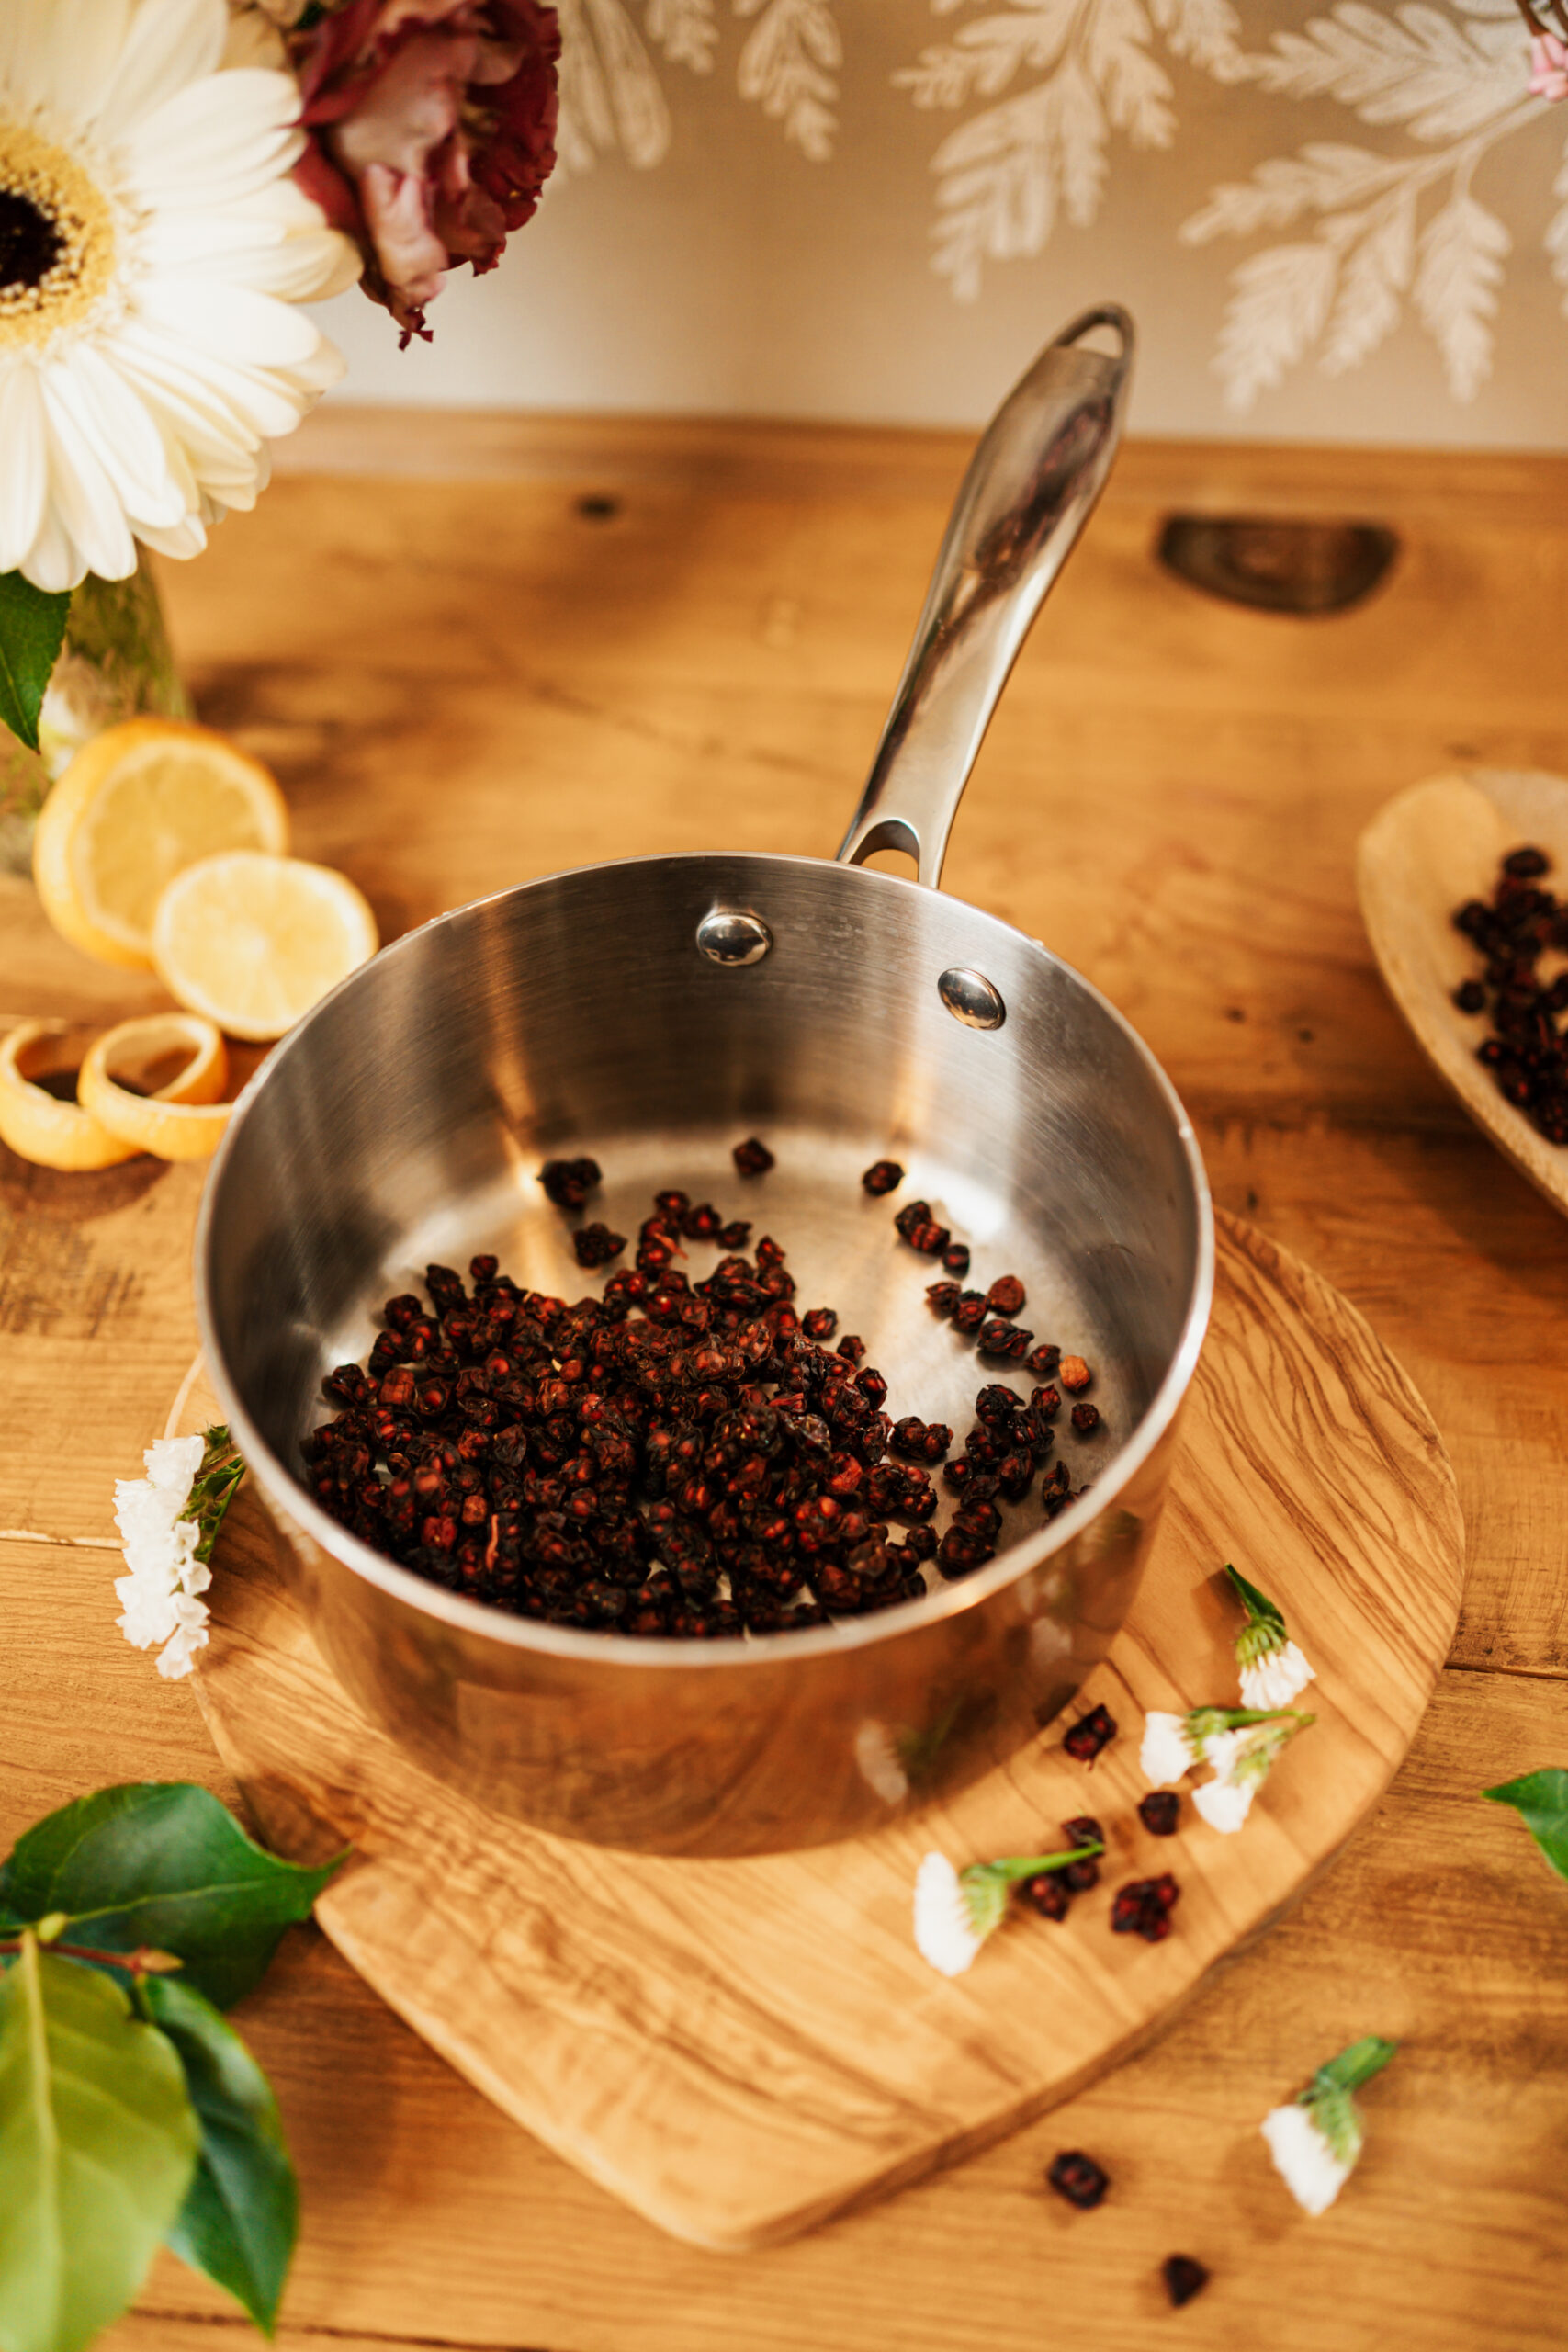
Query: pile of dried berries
(1527, 1056)
(1051, 1891)
(1143, 1907)
(677, 1458)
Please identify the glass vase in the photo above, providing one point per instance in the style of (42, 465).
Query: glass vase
(116, 662)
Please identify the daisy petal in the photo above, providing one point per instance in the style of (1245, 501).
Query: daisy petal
(244, 328)
(171, 43)
(54, 562)
(116, 426)
(83, 497)
(24, 476)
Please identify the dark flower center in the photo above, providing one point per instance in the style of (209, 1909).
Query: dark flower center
(30, 244)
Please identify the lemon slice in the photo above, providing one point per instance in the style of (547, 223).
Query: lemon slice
(190, 1125)
(253, 942)
(52, 1134)
(136, 805)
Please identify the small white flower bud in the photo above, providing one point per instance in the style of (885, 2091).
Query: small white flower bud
(1308, 2165)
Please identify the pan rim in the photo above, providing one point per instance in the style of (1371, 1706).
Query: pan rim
(629, 1654)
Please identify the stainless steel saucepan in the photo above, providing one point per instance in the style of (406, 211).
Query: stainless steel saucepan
(654, 1012)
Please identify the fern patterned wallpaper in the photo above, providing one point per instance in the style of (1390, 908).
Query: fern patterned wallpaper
(1340, 226)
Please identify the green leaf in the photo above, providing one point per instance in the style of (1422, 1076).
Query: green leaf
(161, 1862)
(1541, 1800)
(97, 2143)
(241, 2210)
(32, 630)
(1260, 1608)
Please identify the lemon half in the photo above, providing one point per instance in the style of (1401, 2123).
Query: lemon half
(136, 805)
(253, 942)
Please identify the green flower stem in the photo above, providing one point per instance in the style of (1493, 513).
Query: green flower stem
(1354, 2066)
(214, 1487)
(1012, 1867)
(1260, 1610)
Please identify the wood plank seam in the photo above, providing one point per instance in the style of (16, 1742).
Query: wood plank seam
(320, 2331)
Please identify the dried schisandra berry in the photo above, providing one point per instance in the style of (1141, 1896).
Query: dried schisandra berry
(596, 1245)
(1143, 1907)
(955, 1259)
(568, 1182)
(1158, 1812)
(1045, 1893)
(883, 1176)
(1184, 2278)
(1471, 997)
(752, 1158)
(1090, 1734)
(1077, 2178)
(1085, 1418)
(970, 1311)
(683, 1458)
(1074, 1374)
(1084, 1830)
(1005, 1297)
(942, 1297)
(999, 1339)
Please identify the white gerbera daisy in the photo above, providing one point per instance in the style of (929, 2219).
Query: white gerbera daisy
(151, 249)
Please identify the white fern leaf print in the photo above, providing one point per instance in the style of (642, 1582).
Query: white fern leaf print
(1456, 288)
(984, 56)
(1206, 32)
(1375, 275)
(996, 200)
(1321, 176)
(609, 95)
(1137, 89)
(1416, 67)
(684, 30)
(1277, 308)
(1079, 123)
(789, 66)
(1557, 229)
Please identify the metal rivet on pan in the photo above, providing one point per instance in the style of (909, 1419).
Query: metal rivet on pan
(971, 998)
(727, 937)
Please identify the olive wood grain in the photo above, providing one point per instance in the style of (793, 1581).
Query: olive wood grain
(1431, 848)
(742, 2049)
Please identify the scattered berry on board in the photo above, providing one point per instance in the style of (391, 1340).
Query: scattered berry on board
(1090, 1734)
(1184, 2278)
(1077, 2178)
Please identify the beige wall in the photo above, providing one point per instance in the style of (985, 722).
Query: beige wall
(785, 235)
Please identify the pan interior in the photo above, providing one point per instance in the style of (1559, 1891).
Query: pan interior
(407, 1119)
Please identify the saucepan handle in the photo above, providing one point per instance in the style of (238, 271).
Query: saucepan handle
(1031, 487)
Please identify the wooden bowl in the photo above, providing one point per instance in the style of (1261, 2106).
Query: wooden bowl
(1424, 854)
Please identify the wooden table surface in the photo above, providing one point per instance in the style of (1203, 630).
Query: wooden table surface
(465, 676)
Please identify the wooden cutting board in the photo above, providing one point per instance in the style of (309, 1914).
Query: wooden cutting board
(741, 2049)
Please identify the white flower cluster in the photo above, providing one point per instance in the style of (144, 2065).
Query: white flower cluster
(160, 1595)
(1275, 1676)
(1240, 1756)
(1308, 2165)
(944, 1926)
